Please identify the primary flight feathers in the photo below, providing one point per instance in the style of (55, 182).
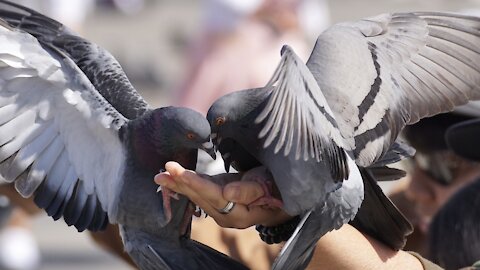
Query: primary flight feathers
(373, 77)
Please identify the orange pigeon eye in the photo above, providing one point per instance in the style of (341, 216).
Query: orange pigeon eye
(220, 121)
(190, 136)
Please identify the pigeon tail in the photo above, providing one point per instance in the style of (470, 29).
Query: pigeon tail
(339, 208)
(379, 217)
(298, 251)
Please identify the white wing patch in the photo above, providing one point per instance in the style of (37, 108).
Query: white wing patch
(54, 128)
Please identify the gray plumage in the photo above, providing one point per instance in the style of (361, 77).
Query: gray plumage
(320, 126)
(76, 135)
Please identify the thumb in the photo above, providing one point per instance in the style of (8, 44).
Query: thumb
(244, 192)
(174, 168)
(180, 173)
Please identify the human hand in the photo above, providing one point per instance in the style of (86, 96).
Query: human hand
(203, 191)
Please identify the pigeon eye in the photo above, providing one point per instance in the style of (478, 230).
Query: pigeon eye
(220, 121)
(191, 136)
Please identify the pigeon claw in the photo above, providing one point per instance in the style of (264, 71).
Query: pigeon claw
(227, 161)
(167, 194)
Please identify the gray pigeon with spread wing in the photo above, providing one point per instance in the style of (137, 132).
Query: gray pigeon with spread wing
(327, 128)
(77, 136)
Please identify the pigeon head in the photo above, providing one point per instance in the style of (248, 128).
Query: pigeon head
(170, 133)
(181, 128)
(234, 110)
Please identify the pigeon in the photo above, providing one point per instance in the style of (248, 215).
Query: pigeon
(327, 129)
(77, 136)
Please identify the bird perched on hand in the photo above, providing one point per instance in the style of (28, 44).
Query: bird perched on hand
(327, 128)
(76, 135)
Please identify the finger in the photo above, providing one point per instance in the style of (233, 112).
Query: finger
(244, 192)
(198, 189)
(176, 184)
(209, 197)
(166, 180)
(205, 188)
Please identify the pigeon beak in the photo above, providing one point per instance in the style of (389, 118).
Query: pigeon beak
(227, 161)
(208, 147)
(216, 139)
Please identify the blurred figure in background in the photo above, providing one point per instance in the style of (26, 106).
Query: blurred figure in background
(435, 173)
(70, 12)
(454, 234)
(456, 226)
(239, 48)
(240, 44)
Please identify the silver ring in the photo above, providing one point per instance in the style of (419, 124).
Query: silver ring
(227, 209)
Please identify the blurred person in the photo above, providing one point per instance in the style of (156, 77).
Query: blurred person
(18, 247)
(239, 47)
(72, 13)
(454, 234)
(435, 173)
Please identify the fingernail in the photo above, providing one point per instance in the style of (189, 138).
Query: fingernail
(159, 189)
(162, 170)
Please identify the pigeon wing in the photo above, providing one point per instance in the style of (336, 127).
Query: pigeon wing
(298, 120)
(59, 137)
(382, 73)
(98, 65)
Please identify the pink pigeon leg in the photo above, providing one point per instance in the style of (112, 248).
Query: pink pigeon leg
(167, 194)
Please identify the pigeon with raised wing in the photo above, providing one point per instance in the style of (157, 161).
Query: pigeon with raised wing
(76, 135)
(327, 128)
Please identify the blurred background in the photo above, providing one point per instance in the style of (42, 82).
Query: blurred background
(188, 52)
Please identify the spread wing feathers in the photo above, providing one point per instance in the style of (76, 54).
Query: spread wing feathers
(100, 67)
(58, 136)
(407, 66)
(298, 118)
